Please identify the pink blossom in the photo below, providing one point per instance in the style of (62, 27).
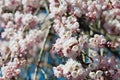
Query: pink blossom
(29, 20)
(58, 71)
(12, 4)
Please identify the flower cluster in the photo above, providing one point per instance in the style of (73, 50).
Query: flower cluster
(21, 34)
(97, 42)
(61, 25)
(112, 21)
(72, 69)
(107, 9)
(96, 70)
(12, 68)
(104, 66)
(87, 32)
(10, 4)
(73, 41)
(70, 46)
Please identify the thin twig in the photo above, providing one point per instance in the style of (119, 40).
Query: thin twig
(101, 51)
(41, 52)
(87, 55)
(43, 45)
(37, 10)
(46, 7)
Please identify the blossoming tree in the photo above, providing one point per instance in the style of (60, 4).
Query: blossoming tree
(84, 33)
